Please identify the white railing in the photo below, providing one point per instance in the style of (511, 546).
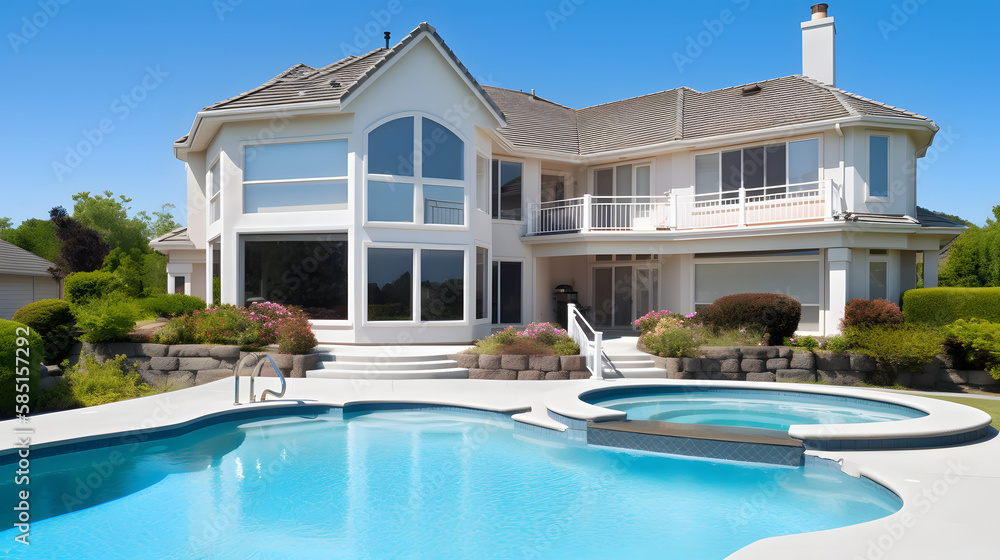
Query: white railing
(443, 212)
(686, 210)
(590, 341)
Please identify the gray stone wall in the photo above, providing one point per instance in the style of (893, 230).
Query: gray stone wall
(511, 367)
(780, 363)
(187, 365)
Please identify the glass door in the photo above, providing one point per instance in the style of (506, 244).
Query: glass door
(613, 289)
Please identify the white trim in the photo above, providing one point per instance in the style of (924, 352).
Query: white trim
(887, 199)
(524, 209)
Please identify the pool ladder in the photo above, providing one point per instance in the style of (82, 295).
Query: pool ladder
(256, 373)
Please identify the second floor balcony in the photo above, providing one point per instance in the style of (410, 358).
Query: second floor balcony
(683, 209)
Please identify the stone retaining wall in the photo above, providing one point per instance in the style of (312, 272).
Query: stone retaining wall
(510, 367)
(186, 365)
(781, 363)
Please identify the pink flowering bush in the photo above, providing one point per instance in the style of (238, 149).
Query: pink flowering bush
(254, 326)
(537, 339)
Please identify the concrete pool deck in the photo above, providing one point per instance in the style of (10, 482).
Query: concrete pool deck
(949, 493)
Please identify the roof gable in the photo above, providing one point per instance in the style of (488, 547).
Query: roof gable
(18, 261)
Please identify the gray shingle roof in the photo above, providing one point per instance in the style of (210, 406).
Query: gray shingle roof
(933, 219)
(539, 123)
(15, 260)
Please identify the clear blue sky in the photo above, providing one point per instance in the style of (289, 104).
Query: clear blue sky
(66, 73)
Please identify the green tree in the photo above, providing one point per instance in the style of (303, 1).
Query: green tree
(163, 221)
(37, 236)
(5, 224)
(82, 249)
(110, 217)
(974, 258)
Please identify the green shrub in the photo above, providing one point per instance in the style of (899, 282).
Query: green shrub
(107, 319)
(731, 337)
(170, 305)
(807, 342)
(566, 347)
(835, 344)
(981, 342)
(774, 314)
(53, 320)
(941, 306)
(295, 336)
(537, 339)
(90, 383)
(896, 348)
(871, 312)
(82, 286)
(11, 370)
(672, 341)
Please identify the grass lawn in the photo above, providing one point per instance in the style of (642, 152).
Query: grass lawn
(989, 406)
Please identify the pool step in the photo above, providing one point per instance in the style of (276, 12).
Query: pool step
(358, 366)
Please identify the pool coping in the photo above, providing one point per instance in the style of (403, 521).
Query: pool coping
(961, 479)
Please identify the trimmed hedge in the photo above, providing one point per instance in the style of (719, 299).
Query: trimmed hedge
(171, 305)
(9, 367)
(940, 306)
(53, 320)
(83, 286)
(777, 315)
(871, 312)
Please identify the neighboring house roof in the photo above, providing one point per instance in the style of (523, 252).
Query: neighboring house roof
(678, 114)
(337, 81)
(175, 239)
(18, 261)
(933, 219)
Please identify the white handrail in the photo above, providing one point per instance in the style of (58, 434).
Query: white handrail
(589, 347)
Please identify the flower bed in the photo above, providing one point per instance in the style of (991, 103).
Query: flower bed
(537, 339)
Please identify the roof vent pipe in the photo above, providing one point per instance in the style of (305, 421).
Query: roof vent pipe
(819, 11)
(387, 34)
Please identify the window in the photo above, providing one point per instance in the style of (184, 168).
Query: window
(799, 279)
(442, 285)
(506, 194)
(506, 292)
(295, 177)
(482, 184)
(390, 284)
(622, 180)
(482, 281)
(216, 250)
(179, 284)
(878, 166)
(398, 176)
(306, 270)
(553, 188)
(761, 170)
(215, 179)
(877, 272)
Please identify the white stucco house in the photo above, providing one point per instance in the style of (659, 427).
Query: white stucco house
(395, 198)
(24, 279)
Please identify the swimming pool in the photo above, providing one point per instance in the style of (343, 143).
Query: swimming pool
(774, 410)
(434, 484)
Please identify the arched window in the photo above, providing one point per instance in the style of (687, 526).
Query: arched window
(416, 173)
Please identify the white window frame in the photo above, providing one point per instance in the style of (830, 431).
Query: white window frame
(495, 202)
(592, 176)
(868, 273)
(214, 199)
(869, 197)
(487, 199)
(415, 287)
(650, 265)
(524, 274)
(418, 180)
(488, 296)
(293, 140)
(785, 142)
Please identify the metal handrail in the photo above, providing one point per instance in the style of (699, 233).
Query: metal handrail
(256, 373)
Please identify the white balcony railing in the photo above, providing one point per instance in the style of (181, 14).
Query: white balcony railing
(686, 210)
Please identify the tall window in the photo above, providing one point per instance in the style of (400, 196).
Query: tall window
(482, 183)
(622, 180)
(416, 173)
(442, 285)
(215, 179)
(506, 193)
(482, 281)
(761, 170)
(506, 292)
(877, 275)
(390, 284)
(295, 177)
(878, 166)
(306, 270)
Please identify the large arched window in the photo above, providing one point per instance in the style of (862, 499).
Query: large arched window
(416, 173)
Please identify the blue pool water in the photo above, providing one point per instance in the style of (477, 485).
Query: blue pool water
(416, 484)
(774, 410)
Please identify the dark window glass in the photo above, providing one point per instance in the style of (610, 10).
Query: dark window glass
(308, 273)
(753, 170)
(442, 151)
(442, 281)
(731, 171)
(495, 191)
(495, 294)
(390, 284)
(775, 166)
(878, 171)
(604, 182)
(390, 148)
(510, 190)
(510, 292)
(482, 258)
(178, 284)
(552, 188)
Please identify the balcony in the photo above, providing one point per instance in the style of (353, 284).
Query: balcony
(684, 210)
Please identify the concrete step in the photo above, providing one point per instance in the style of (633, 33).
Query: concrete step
(380, 358)
(443, 373)
(633, 363)
(636, 373)
(376, 365)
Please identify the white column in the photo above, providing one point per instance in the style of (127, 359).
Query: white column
(930, 269)
(838, 278)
